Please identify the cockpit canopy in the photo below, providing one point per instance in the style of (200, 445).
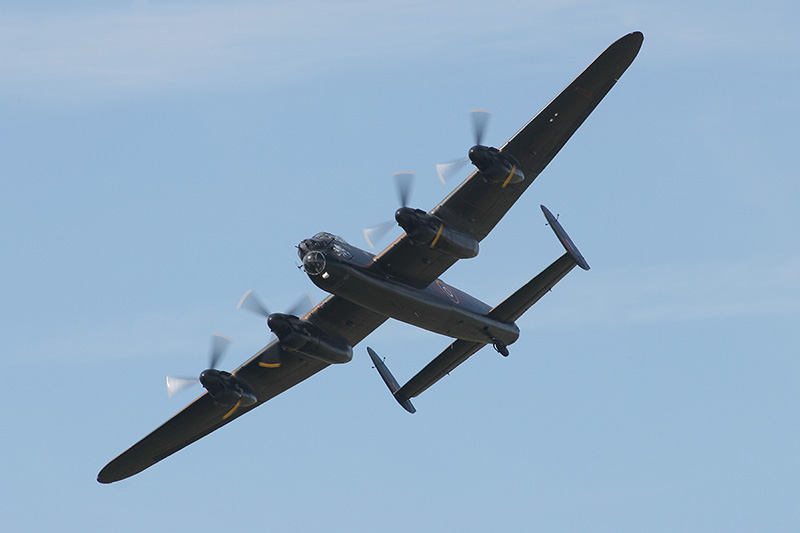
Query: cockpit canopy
(325, 236)
(324, 241)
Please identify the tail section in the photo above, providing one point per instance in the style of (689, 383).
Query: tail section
(515, 305)
(508, 311)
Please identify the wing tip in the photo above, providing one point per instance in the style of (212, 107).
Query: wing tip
(107, 475)
(635, 39)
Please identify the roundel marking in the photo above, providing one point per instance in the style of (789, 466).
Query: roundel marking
(447, 291)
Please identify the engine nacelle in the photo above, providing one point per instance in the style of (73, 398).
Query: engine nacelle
(304, 337)
(227, 389)
(496, 166)
(428, 230)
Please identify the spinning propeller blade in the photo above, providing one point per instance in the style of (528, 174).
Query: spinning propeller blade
(301, 306)
(402, 184)
(480, 121)
(250, 302)
(448, 170)
(376, 233)
(219, 343)
(175, 385)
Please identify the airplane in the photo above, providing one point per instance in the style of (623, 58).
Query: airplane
(401, 282)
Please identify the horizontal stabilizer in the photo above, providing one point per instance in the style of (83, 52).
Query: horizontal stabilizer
(513, 307)
(507, 311)
(388, 378)
(452, 356)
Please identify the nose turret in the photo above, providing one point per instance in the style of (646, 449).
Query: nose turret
(314, 263)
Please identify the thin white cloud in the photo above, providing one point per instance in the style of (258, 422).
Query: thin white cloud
(675, 293)
(72, 54)
(166, 46)
(179, 333)
(659, 295)
(153, 335)
(156, 47)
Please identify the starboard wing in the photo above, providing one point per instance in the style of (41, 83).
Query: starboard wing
(476, 206)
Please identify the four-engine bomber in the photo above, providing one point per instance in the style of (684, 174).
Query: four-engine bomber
(401, 282)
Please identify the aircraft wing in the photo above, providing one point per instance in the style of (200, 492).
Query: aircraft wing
(202, 416)
(476, 206)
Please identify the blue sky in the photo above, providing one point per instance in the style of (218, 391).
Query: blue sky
(159, 159)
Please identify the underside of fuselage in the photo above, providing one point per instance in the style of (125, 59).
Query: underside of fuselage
(341, 269)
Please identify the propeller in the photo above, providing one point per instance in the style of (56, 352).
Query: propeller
(219, 343)
(402, 184)
(251, 302)
(480, 121)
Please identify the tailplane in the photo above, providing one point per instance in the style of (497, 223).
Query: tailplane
(515, 305)
(508, 311)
